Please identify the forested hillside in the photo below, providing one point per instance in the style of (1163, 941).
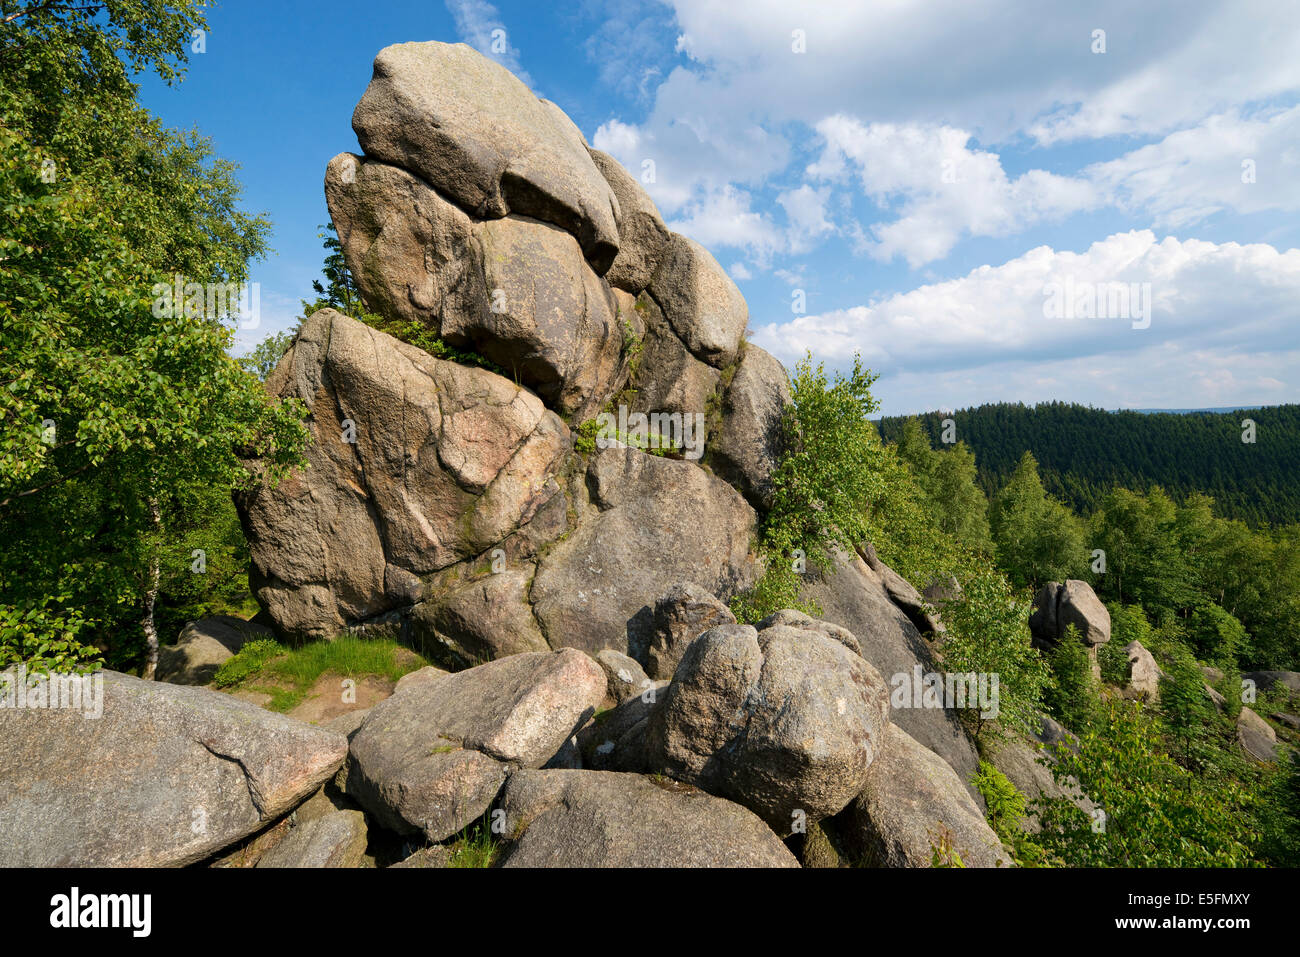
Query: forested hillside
(1083, 451)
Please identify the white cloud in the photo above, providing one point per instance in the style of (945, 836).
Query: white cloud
(948, 190)
(725, 218)
(805, 212)
(1195, 173)
(477, 22)
(933, 74)
(740, 272)
(1208, 300)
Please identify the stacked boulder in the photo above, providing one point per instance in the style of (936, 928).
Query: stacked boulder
(478, 215)
(453, 499)
(1058, 605)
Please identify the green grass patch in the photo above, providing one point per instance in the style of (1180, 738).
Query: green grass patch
(476, 846)
(287, 674)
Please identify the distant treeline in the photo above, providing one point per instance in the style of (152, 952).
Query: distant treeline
(1082, 452)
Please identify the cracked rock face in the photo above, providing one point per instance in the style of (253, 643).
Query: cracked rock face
(415, 464)
(432, 757)
(601, 819)
(652, 522)
(467, 126)
(785, 721)
(166, 777)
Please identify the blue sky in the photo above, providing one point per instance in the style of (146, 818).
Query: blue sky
(924, 172)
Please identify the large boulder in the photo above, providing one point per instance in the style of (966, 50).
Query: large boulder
(204, 646)
(748, 440)
(786, 721)
(701, 303)
(432, 757)
(601, 819)
(851, 595)
(415, 463)
(652, 522)
(166, 775)
(1143, 673)
(516, 290)
(642, 234)
(480, 619)
(681, 615)
(473, 131)
(624, 675)
(912, 807)
(553, 323)
(1059, 605)
(1256, 736)
(413, 254)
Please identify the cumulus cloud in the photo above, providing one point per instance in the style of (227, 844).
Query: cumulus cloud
(947, 190)
(1244, 164)
(1206, 299)
(870, 84)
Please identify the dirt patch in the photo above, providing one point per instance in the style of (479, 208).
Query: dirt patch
(328, 697)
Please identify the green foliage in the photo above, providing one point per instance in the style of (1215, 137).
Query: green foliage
(1083, 452)
(476, 846)
(1036, 538)
(340, 290)
(779, 587)
(1194, 731)
(249, 661)
(1215, 635)
(948, 479)
(830, 473)
(1157, 813)
(1005, 805)
(988, 634)
(826, 479)
(45, 638)
(114, 404)
(287, 674)
(266, 355)
(1072, 694)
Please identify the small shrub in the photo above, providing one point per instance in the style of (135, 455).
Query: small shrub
(250, 660)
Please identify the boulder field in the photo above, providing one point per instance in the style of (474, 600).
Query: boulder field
(595, 701)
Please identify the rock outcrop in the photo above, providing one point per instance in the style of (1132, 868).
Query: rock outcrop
(1256, 736)
(432, 758)
(1059, 605)
(598, 690)
(165, 775)
(915, 812)
(786, 721)
(1143, 673)
(599, 819)
(850, 595)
